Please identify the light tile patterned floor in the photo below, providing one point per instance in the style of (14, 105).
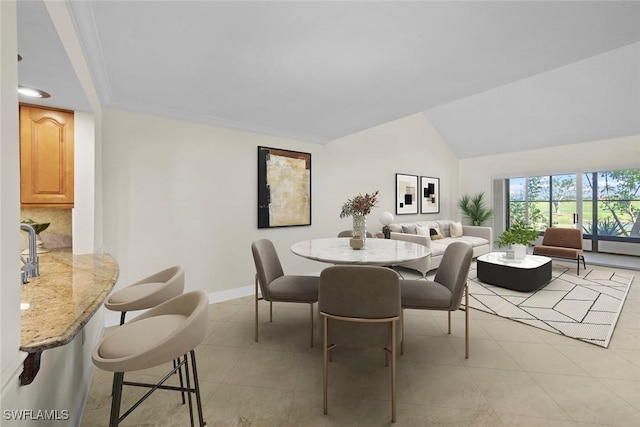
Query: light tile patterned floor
(516, 375)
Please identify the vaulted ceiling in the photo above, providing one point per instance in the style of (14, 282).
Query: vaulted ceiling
(491, 76)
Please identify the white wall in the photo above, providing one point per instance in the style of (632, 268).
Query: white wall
(10, 358)
(180, 193)
(370, 159)
(84, 183)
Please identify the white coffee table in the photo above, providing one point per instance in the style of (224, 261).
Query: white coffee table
(527, 274)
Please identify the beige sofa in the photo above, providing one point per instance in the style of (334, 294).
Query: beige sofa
(480, 238)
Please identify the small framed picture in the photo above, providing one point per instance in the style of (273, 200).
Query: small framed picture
(406, 194)
(430, 194)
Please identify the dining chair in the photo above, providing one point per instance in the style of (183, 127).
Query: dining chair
(276, 286)
(359, 306)
(445, 291)
(168, 332)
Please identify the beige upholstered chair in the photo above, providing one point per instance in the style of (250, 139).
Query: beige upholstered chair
(359, 307)
(562, 243)
(148, 292)
(162, 334)
(276, 286)
(349, 233)
(446, 290)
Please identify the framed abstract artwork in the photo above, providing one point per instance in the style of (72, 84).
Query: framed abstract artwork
(430, 194)
(284, 188)
(406, 194)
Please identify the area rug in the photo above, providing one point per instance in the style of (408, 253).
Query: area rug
(584, 307)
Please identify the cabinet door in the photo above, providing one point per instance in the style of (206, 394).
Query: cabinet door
(46, 157)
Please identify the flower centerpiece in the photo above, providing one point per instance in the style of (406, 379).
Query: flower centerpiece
(358, 208)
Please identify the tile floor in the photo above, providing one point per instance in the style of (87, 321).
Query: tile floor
(516, 375)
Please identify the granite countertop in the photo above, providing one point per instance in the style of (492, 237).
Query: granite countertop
(56, 305)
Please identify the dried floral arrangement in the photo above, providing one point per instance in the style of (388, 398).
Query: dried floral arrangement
(360, 205)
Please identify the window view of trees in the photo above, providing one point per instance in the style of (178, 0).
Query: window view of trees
(526, 202)
(552, 201)
(618, 203)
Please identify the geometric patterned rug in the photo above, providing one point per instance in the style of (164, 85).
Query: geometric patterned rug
(584, 307)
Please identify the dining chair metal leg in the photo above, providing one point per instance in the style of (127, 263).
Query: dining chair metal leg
(466, 321)
(256, 316)
(401, 331)
(311, 321)
(393, 371)
(325, 364)
(449, 322)
(270, 311)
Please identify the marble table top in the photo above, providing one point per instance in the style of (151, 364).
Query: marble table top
(376, 252)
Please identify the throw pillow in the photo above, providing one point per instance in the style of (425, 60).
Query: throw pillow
(435, 233)
(422, 231)
(409, 229)
(455, 229)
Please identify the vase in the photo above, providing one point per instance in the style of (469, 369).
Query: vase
(359, 233)
(519, 251)
(359, 227)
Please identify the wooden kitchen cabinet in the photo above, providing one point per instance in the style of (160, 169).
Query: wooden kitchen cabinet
(46, 157)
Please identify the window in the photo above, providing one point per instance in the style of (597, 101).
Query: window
(618, 204)
(605, 204)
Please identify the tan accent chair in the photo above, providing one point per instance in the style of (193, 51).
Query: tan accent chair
(276, 286)
(562, 243)
(162, 334)
(445, 291)
(148, 292)
(359, 307)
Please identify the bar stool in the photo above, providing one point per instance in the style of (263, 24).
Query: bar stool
(148, 292)
(164, 333)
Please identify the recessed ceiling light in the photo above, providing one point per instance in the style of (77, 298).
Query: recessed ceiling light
(32, 93)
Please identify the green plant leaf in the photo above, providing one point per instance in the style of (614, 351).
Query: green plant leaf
(475, 208)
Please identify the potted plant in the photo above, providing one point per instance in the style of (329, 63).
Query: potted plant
(475, 208)
(359, 207)
(518, 234)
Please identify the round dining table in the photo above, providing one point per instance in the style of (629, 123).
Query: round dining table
(336, 250)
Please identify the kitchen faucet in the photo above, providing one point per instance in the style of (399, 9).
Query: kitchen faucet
(31, 267)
